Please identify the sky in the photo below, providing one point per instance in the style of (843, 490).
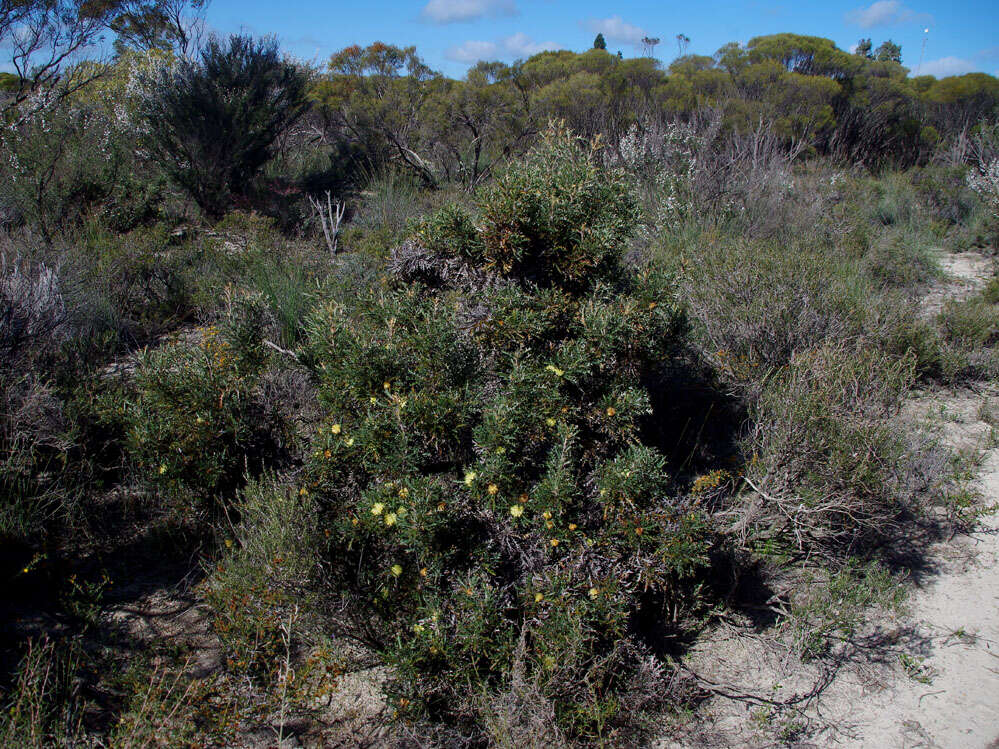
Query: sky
(452, 34)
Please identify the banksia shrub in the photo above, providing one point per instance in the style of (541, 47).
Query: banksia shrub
(493, 504)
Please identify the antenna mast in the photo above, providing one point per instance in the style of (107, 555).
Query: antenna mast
(922, 52)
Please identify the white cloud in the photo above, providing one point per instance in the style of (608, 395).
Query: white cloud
(885, 13)
(515, 45)
(947, 66)
(472, 51)
(451, 11)
(616, 29)
(521, 45)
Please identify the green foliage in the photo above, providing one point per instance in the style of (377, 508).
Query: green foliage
(44, 708)
(212, 122)
(554, 219)
(263, 579)
(831, 610)
(888, 51)
(194, 419)
(482, 465)
(67, 163)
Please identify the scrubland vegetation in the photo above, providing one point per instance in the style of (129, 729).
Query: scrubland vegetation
(503, 387)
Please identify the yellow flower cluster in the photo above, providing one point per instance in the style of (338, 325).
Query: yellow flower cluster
(709, 481)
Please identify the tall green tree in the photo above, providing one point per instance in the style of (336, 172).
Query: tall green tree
(159, 24)
(599, 42)
(378, 95)
(888, 52)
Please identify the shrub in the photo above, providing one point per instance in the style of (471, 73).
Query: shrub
(212, 122)
(983, 179)
(829, 458)
(44, 707)
(194, 418)
(555, 220)
(756, 304)
(261, 582)
(34, 433)
(70, 161)
(494, 506)
(969, 331)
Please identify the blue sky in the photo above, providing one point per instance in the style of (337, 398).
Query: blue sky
(450, 34)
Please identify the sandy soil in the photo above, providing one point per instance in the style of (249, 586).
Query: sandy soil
(929, 678)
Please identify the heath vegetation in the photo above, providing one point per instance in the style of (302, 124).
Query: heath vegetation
(603, 348)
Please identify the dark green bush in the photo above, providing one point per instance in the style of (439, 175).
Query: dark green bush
(212, 122)
(492, 501)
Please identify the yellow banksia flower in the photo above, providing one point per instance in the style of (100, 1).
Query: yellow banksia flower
(572, 526)
(493, 489)
(350, 442)
(335, 429)
(611, 411)
(539, 597)
(390, 518)
(517, 511)
(593, 593)
(163, 468)
(403, 493)
(376, 508)
(554, 542)
(396, 570)
(469, 477)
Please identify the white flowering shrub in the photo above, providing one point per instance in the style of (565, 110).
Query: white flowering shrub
(665, 158)
(69, 160)
(983, 179)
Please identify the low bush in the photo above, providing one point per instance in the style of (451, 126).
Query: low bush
(44, 707)
(829, 459)
(969, 331)
(194, 416)
(65, 164)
